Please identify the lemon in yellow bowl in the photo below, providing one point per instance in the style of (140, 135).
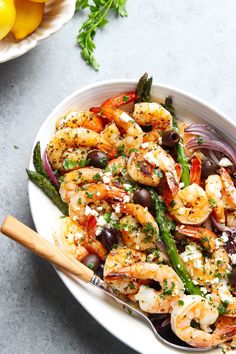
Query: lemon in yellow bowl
(7, 16)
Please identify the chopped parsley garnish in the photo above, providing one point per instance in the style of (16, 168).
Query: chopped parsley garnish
(172, 203)
(125, 98)
(97, 177)
(69, 164)
(222, 308)
(121, 150)
(181, 303)
(83, 162)
(79, 201)
(89, 195)
(158, 172)
(107, 217)
(212, 202)
(166, 290)
(91, 265)
(195, 324)
(199, 140)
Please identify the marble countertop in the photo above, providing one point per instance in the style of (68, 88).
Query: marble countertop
(187, 44)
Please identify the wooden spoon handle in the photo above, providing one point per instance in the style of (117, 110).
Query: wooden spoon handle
(28, 238)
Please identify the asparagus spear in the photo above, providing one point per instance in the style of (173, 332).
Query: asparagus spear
(46, 186)
(181, 157)
(37, 161)
(165, 233)
(143, 89)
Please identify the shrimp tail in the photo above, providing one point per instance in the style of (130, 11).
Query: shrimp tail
(224, 335)
(195, 171)
(120, 100)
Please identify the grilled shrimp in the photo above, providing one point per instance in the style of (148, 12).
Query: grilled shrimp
(133, 132)
(72, 180)
(195, 307)
(79, 204)
(190, 205)
(221, 293)
(119, 100)
(228, 188)
(204, 270)
(214, 188)
(147, 164)
(69, 237)
(154, 114)
(72, 138)
(117, 259)
(75, 119)
(151, 300)
(221, 193)
(134, 237)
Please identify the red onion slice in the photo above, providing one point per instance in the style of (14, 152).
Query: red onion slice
(211, 144)
(48, 169)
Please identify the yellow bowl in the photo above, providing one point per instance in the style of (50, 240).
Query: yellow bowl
(57, 14)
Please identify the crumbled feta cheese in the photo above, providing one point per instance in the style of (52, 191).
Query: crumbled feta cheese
(99, 208)
(181, 185)
(191, 253)
(195, 282)
(117, 208)
(225, 162)
(106, 179)
(225, 294)
(89, 211)
(224, 236)
(216, 281)
(145, 145)
(114, 217)
(197, 263)
(126, 199)
(98, 194)
(125, 117)
(101, 221)
(127, 186)
(233, 258)
(75, 218)
(149, 157)
(203, 289)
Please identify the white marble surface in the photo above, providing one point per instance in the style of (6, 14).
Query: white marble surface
(187, 44)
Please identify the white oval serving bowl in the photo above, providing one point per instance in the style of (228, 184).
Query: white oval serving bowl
(108, 313)
(57, 13)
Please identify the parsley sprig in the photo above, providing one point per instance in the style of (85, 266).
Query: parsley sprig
(97, 18)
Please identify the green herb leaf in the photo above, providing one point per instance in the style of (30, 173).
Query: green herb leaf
(69, 164)
(97, 18)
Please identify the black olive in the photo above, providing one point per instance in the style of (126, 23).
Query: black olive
(97, 158)
(146, 128)
(92, 261)
(99, 271)
(155, 285)
(208, 168)
(232, 278)
(170, 138)
(143, 197)
(109, 237)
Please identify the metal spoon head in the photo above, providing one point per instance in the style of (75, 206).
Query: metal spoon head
(163, 333)
(166, 335)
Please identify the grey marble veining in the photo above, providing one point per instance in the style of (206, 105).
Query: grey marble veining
(187, 44)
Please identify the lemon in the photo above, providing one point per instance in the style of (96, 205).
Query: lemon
(7, 16)
(28, 17)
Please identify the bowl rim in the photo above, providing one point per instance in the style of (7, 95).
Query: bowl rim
(79, 91)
